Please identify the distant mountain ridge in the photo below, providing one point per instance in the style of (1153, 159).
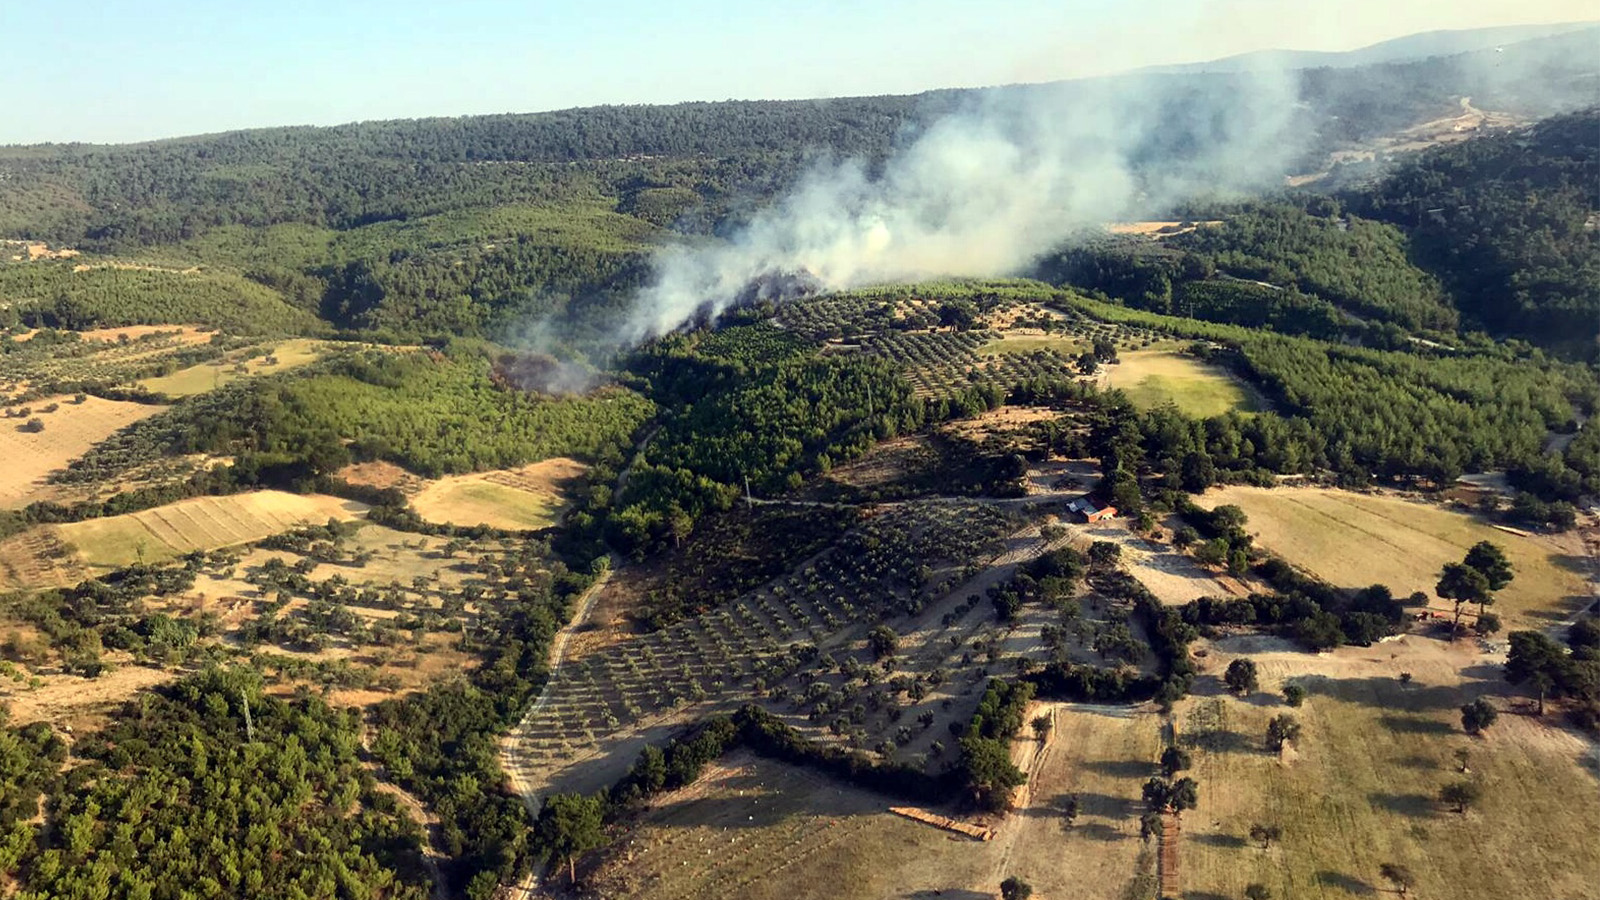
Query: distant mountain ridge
(1409, 48)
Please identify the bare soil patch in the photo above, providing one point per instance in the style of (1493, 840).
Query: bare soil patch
(1006, 418)
(74, 701)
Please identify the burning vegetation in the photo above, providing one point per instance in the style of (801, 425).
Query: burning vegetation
(542, 373)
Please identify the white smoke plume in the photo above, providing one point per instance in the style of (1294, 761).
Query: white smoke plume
(985, 191)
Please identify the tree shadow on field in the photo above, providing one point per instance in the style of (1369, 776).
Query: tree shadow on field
(1100, 831)
(1088, 805)
(1214, 686)
(1418, 761)
(1491, 672)
(1407, 725)
(1382, 692)
(1220, 840)
(1419, 806)
(947, 894)
(1219, 740)
(1122, 768)
(1091, 803)
(1347, 882)
(737, 812)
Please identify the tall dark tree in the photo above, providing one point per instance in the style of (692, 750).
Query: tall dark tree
(1241, 676)
(1282, 729)
(1477, 716)
(570, 825)
(1461, 584)
(1538, 662)
(1174, 759)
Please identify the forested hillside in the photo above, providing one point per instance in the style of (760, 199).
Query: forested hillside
(1299, 266)
(1509, 224)
(116, 197)
(1496, 234)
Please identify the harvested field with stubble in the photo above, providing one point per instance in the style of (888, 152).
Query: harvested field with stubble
(203, 523)
(1353, 540)
(38, 558)
(69, 432)
(521, 499)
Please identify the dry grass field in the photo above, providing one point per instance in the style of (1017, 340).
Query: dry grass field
(381, 474)
(760, 829)
(1157, 228)
(202, 523)
(185, 334)
(69, 432)
(1156, 376)
(1174, 577)
(525, 498)
(210, 375)
(1353, 540)
(77, 702)
(1361, 787)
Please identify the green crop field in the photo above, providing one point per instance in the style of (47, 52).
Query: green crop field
(1151, 378)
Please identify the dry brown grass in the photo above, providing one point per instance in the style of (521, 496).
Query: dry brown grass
(186, 334)
(524, 498)
(760, 829)
(383, 475)
(1360, 787)
(68, 433)
(1003, 419)
(1353, 540)
(1154, 228)
(75, 701)
(1174, 577)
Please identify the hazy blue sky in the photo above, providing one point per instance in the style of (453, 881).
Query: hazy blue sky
(113, 70)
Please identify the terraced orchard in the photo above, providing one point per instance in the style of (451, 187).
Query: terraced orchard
(893, 564)
(1007, 341)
